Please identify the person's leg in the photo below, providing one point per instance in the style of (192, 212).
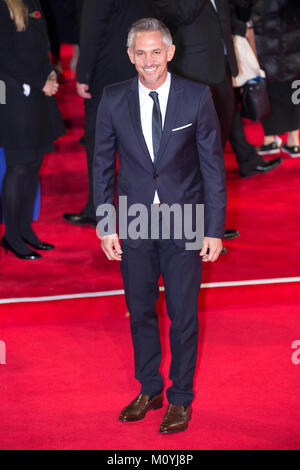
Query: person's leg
(12, 197)
(292, 146)
(91, 107)
(140, 271)
(88, 214)
(181, 271)
(245, 153)
(269, 139)
(285, 117)
(293, 139)
(249, 157)
(223, 98)
(31, 182)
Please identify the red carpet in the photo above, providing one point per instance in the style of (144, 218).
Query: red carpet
(264, 208)
(66, 381)
(69, 364)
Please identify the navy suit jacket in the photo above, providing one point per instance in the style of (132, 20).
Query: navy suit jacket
(190, 164)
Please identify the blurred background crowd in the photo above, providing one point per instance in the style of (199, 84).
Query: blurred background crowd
(204, 32)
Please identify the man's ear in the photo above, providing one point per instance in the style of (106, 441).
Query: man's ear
(131, 55)
(171, 52)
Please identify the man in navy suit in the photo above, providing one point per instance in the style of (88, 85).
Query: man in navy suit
(166, 133)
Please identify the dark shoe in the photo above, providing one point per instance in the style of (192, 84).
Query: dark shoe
(293, 151)
(79, 219)
(176, 419)
(270, 149)
(138, 408)
(224, 251)
(32, 255)
(230, 234)
(40, 246)
(82, 141)
(263, 167)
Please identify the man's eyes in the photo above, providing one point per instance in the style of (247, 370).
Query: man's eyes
(140, 53)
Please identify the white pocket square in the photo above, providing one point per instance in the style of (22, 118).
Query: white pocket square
(182, 127)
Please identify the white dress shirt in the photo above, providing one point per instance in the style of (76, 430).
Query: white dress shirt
(146, 109)
(213, 2)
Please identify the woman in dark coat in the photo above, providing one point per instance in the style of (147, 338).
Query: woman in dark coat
(29, 121)
(277, 35)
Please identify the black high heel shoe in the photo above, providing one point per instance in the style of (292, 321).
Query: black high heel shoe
(30, 256)
(40, 246)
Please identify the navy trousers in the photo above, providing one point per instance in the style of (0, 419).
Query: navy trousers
(181, 271)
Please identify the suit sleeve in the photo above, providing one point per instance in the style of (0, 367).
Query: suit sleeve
(212, 167)
(177, 12)
(13, 66)
(94, 19)
(105, 156)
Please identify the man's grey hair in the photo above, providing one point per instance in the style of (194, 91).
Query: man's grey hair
(149, 24)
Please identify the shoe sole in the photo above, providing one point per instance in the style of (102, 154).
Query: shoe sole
(292, 155)
(175, 431)
(268, 152)
(80, 225)
(257, 172)
(231, 237)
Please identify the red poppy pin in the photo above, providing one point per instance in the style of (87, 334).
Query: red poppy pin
(36, 14)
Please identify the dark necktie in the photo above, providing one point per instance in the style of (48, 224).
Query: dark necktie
(156, 124)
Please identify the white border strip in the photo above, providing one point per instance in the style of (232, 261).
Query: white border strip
(88, 295)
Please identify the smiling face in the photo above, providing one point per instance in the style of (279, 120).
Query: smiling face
(151, 55)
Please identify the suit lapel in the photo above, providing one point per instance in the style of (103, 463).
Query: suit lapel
(134, 108)
(173, 109)
(211, 6)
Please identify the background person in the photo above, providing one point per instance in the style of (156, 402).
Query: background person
(103, 34)
(29, 122)
(277, 36)
(202, 31)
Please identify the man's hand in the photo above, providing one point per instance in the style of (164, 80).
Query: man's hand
(214, 245)
(82, 90)
(111, 247)
(51, 87)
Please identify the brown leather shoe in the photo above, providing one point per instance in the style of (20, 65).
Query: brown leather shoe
(138, 408)
(176, 419)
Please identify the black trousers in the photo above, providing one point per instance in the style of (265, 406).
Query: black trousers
(91, 108)
(226, 103)
(181, 271)
(223, 96)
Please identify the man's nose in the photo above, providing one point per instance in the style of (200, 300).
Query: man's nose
(148, 61)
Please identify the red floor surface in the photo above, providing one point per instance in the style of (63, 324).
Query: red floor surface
(66, 380)
(265, 209)
(69, 364)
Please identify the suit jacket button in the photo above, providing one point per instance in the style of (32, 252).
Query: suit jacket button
(155, 176)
